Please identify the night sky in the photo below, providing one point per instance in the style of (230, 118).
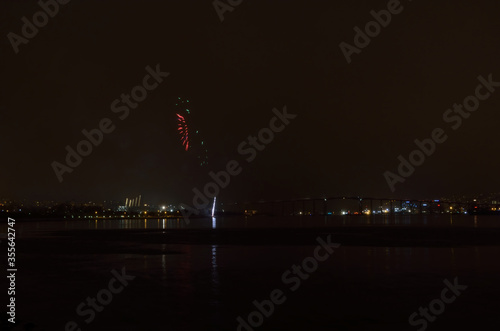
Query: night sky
(353, 119)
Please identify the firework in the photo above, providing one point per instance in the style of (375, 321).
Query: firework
(190, 138)
(183, 131)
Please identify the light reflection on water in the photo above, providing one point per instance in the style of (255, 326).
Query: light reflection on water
(202, 278)
(238, 222)
(213, 266)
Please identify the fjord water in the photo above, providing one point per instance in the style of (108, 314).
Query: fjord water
(205, 274)
(38, 227)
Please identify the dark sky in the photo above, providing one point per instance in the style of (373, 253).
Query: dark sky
(353, 119)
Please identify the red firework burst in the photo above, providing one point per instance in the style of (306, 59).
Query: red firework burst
(183, 131)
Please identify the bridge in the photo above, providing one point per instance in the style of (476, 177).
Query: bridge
(359, 206)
